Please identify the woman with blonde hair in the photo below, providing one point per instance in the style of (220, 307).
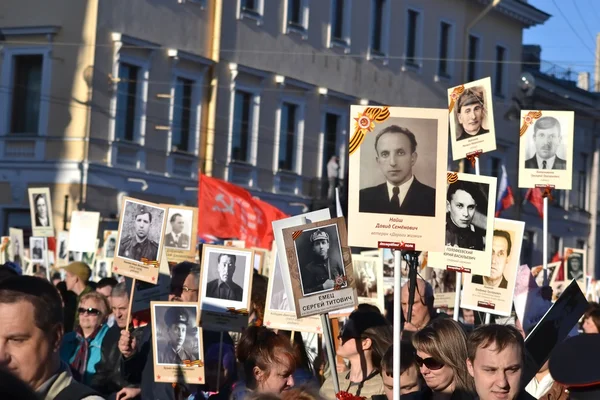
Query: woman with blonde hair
(441, 355)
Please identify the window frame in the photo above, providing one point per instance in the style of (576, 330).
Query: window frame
(298, 135)
(417, 65)
(197, 80)
(345, 41)
(254, 114)
(476, 60)
(341, 139)
(504, 75)
(257, 14)
(302, 28)
(449, 74)
(384, 51)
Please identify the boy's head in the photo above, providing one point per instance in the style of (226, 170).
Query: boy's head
(410, 380)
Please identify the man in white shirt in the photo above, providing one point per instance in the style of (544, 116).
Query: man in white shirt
(176, 238)
(547, 138)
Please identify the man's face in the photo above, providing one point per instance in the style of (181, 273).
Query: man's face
(177, 335)
(468, 316)
(547, 141)
(119, 306)
(110, 246)
(470, 117)
(321, 248)
(26, 350)
(177, 225)
(191, 283)
(499, 256)
(497, 374)
(395, 157)
(70, 280)
(226, 268)
(142, 225)
(420, 312)
(575, 264)
(462, 208)
(106, 290)
(409, 382)
(40, 206)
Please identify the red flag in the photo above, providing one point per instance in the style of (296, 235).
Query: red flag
(534, 196)
(228, 211)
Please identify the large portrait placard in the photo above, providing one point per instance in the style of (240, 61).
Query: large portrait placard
(546, 149)
(40, 206)
(494, 293)
(83, 231)
(397, 160)
(469, 221)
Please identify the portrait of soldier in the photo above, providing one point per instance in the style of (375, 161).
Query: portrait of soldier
(547, 138)
(224, 287)
(575, 267)
(463, 199)
(320, 273)
(173, 350)
(470, 112)
(137, 245)
(110, 247)
(501, 250)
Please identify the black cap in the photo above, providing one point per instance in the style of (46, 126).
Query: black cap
(574, 363)
(176, 315)
(360, 321)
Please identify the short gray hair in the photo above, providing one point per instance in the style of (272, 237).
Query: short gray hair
(120, 291)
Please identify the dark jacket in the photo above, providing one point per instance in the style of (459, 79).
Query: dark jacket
(419, 200)
(464, 136)
(130, 248)
(236, 293)
(465, 238)
(478, 279)
(427, 394)
(559, 163)
(316, 273)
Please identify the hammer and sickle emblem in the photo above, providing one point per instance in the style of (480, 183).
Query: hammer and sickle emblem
(227, 207)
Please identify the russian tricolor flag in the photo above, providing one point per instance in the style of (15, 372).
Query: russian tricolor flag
(505, 194)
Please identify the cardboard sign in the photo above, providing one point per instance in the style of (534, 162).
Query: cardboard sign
(181, 233)
(83, 231)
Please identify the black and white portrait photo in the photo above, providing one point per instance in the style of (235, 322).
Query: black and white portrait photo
(365, 271)
(575, 267)
(179, 229)
(471, 113)
(61, 247)
(141, 231)
(42, 218)
(466, 214)
(502, 252)
(36, 249)
(101, 269)
(110, 244)
(177, 337)
(398, 166)
(16, 241)
(547, 141)
(40, 208)
(320, 262)
(224, 285)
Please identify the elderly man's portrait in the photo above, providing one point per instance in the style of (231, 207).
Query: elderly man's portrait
(226, 276)
(398, 165)
(471, 113)
(179, 229)
(319, 257)
(466, 214)
(177, 337)
(37, 249)
(141, 232)
(547, 140)
(575, 267)
(501, 256)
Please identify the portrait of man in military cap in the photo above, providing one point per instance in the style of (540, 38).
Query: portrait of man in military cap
(320, 259)
(176, 334)
(575, 267)
(140, 232)
(470, 113)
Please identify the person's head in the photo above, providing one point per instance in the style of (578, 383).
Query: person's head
(177, 223)
(591, 321)
(268, 360)
(142, 218)
(575, 263)
(40, 205)
(93, 310)
(320, 244)
(547, 137)
(7, 272)
(396, 149)
(496, 361)
(110, 245)
(410, 378)
(470, 110)
(55, 278)
(176, 321)
(441, 351)
(365, 333)
(461, 203)
(185, 282)
(422, 309)
(106, 285)
(31, 328)
(468, 316)
(226, 267)
(119, 301)
(77, 275)
(501, 248)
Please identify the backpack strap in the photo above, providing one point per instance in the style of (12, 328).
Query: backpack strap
(75, 391)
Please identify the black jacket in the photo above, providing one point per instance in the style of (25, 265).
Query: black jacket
(419, 200)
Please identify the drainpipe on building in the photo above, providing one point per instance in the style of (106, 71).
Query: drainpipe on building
(88, 76)
(591, 248)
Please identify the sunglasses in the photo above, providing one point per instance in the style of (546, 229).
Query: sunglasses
(430, 362)
(177, 289)
(88, 311)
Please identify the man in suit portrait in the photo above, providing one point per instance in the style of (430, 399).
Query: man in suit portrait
(224, 287)
(402, 193)
(110, 247)
(320, 274)
(501, 247)
(575, 267)
(470, 111)
(176, 238)
(41, 210)
(547, 138)
(37, 252)
(173, 350)
(138, 245)
(461, 203)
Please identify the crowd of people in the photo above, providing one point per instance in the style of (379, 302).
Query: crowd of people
(69, 339)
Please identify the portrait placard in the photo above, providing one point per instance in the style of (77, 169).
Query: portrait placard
(225, 287)
(443, 282)
(279, 313)
(88, 257)
(546, 149)
(471, 118)
(320, 266)
(17, 244)
(145, 292)
(181, 233)
(109, 245)
(494, 293)
(37, 248)
(177, 343)
(140, 240)
(40, 206)
(83, 231)
(469, 221)
(538, 273)
(100, 269)
(575, 262)
(397, 160)
(62, 245)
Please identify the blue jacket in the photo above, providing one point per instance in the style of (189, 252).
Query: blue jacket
(70, 346)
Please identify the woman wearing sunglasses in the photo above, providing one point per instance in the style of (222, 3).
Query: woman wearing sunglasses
(81, 349)
(441, 355)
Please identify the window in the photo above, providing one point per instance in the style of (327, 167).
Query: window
(332, 125)
(554, 246)
(527, 247)
(287, 136)
(412, 37)
(337, 20)
(295, 12)
(499, 78)
(377, 27)
(252, 9)
(26, 93)
(127, 100)
(445, 31)
(582, 184)
(249, 5)
(496, 169)
(182, 114)
(472, 58)
(580, 244)
(241, 126)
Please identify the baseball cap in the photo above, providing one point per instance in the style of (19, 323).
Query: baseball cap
(80, 269)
